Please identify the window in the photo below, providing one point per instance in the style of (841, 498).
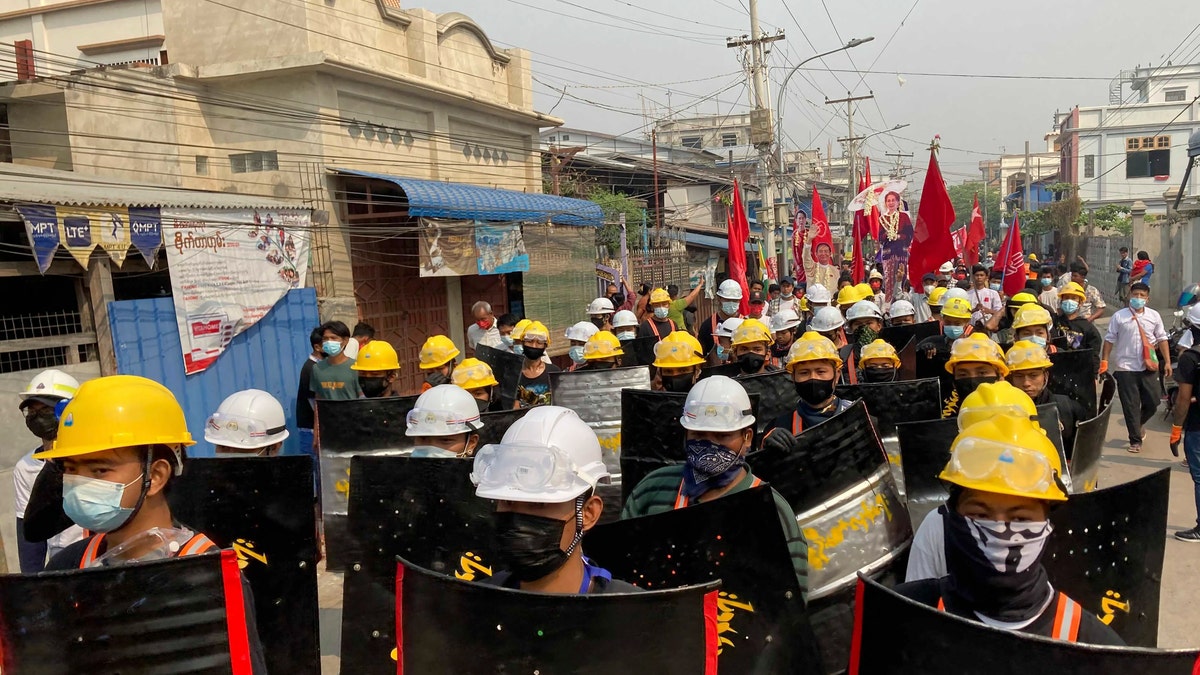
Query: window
(1147, 163)
(566, 137)
(251, 162)
(201, 165)
(5, 141)
(694, 142)
(1089, 166)
(729, 140)
(1179, 94)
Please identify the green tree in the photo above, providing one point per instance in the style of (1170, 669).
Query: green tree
(963, 199)
(614, 204)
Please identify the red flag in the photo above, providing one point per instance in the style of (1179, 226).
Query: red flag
(976, 233)
(821, 235)
(872, 215)
(798, 234)
(960, 238)
(1012, 254)
(932, 242)
(857, 273)
(739, 232)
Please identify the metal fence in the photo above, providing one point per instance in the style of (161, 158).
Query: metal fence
(44, 340)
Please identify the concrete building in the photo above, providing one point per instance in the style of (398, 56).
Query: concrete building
(312, 103)
(705, 131)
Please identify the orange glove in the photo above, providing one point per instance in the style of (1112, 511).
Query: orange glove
(1176, 433)
(1103, 367)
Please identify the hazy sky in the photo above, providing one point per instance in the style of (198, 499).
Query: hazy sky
(652, 47)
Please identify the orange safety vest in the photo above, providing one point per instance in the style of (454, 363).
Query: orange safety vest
(196, 545)
(1067, 616)
(682, 501)
(851, 367)
(654, 327)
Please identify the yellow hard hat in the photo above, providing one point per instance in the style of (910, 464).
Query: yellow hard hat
(377, 355)
(1031, 314)
(678, 350)
(1022, 298)
(1026, 355)
(437, 351)
(1009, 455)
(935, 296)
(957, 308)
(813, 346)
(976, 348)
(1033, 257)
(879, 349)
(119, 411)
(994, 398)
(536, 329)
(847, 296)
(751, 330)
(518, 330)
(602, 345)
(473, 374)
(659, 295)
(804, 304)
(1072, 288)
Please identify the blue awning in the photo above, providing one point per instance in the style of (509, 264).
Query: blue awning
(437, 199)
(707, 241)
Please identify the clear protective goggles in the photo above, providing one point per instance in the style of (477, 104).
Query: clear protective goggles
(1023, 470)
(597, 349)
(432, 422)
(675, 351)
(524, 467)
(240, 429)
(701, 416)
(473, 373)
(978, 413)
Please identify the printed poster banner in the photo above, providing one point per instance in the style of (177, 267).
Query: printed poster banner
(80, 230)
(228, 269)
(108, 227)
(41, 225)
(145, 230)
(455, 248)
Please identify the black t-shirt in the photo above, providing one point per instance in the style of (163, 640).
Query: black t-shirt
(665, 328)
(304, 396)
(1078, 333)
(704, 332)
(1188, 371)
(536, 390)
(1091, 629)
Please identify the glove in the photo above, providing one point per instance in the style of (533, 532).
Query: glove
(1103, 367)
(1176, 436)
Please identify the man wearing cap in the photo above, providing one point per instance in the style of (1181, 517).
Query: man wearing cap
(788, 298)
(985, 301)
(758, 307)
(920, 297)
(784, 327)
(657, 323)
(728, 302)
(875, 281)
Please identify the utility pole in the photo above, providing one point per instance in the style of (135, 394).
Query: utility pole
(849, 140)
(900, 170)
(657, 196)
(1028, 182)
(762, 129)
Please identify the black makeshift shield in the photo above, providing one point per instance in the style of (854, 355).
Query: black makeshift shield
(1089, 442)
(506, 368)
(908, 361)
(924, 451)
(496, 423)
(652, 437)
(890, 403)
(638, 351)
(776, 396)
(1074, 375)
(900, 336)
(726, 369)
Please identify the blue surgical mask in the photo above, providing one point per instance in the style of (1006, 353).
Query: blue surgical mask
(506, 340)
(721, 353)
(1046, 281)
(518, 349)
(1137, 303)
(952, 332)
(431, 452)
(661, 313)
(1069, 306)
(95, 504)
(995, 287)
(730, 308)
(626, 335)
(331, 347)
(1037, 340)
(576, 354)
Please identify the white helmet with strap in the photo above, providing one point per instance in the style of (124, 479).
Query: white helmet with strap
(582, 331)
(247, 420)
(717, 403)
(444, 410)
(600, 306)
(49, 387)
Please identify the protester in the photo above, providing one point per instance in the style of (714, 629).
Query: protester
(483, 331)
(1047, 291)
(878, 363)
(444, 422)
(985, 300)
(1074, 331)
(533, 386)
(625, 325)
(758, 307)
(1029, 370)
(1134, 334)
(974, 360)
(600, 312)
(657, 323)
(723, 353)
(250, 423)
(677, 361)
(1185, 423)
(1033, 323)
(719, 427)
(42, 395)
(921, 299)
(332, 378)
(304, 394)
(1124, 269)
(788, 298)
(814, 365)
(578, 336)
(477, 379)
(378, 370)
(936, 300)
(361, 336)
(784, 328)
(541, 516)
(437, 358)
(828, 322)
(1093, 304)
(752, 347)
(875, 281)
(679, 304)
(601, 352)
(901, 313)
(729, 298)
(818, 297)
(1142, 270)
(517, 336)
(955, 317)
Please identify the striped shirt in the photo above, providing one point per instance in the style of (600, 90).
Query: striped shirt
(657, 492)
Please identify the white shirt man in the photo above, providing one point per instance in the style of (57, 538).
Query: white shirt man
(988, 301)
(1126, 339)
(477, 334)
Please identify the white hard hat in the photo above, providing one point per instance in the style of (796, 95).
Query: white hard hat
(582, 331)
(549, 456)
(730, 290)
(717, 403)
(875, 274)
(49, 387)
(600, 306)
(863, 309)
(818, 294)
(955, 292)
(624, 319)
(827, 319)
(247, 420)
(946, 268)
(901, 308)
(1192, 315)
(785, 319)
(444, 410)
(726, 327)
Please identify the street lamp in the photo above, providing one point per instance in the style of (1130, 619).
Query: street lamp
(779, 122)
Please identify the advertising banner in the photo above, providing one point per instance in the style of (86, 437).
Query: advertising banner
(108, 227)
(41, 225)
(80, 230)
(459, 247)
(228, 269)
(145, 231)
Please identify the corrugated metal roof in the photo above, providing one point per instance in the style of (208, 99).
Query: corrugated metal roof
(437, 199)
(30, 184)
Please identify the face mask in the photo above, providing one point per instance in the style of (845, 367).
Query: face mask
(1137, 303)
(952, 332)
(785, 296)
(813, 391)
(865, 335)
(661, 313)
(517, 349)
(576, 354)
(710, 465)
(534, 353)
(730, 308)
(965, 386)
(484, 323)
(529, 546)
(431, 452)
(995, 566)
(756, 311)
(436, 378)
(994, 287)
(680, 384)
(1046, 281)
(721, 353)
(617, 300)
(929, 288)
(879, 374)
(1069, 306)
(875, 286)
(506, 340)
(598, 321)
(751, 363)
(1037, 340)
(95, 504)
(43, 424)
(331, 347)
(482, 404)
(373, 387)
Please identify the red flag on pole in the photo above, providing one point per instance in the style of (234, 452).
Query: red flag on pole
(872, 215)
(739, 232)
(1013, 257)
(932, 242)
(798, 234)
(976, 233)
(820, 231)
(858, 274)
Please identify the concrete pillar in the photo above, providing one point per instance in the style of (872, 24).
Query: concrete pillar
(1189, 239)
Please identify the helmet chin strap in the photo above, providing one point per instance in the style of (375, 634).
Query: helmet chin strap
(578, 525)
(144, 489)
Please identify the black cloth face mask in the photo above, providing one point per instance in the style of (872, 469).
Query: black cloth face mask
(879, 375)
(965, 386)
(995, 568)
(373, 387)
(534, 353)
(43, 424)
(529, 546)
(679, 384)
(814, 392)
(751, 362)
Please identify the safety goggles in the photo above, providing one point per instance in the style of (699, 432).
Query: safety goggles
(675, 351)
(239, 428)
(439, 422)
(1023, 470)
(971, 414)
(474, 373)
(713, 416)
(599, 350)
(524, 467)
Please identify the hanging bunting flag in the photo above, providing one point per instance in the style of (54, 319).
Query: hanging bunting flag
(108, 227)
(77, 236)
(145, 229)
(41, 225)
